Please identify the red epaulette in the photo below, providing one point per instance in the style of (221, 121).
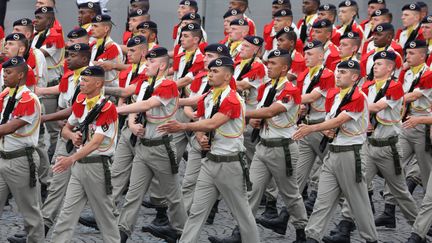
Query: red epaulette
(364, 23)
(175, 31)
(429, 61)
(395, 91)
(257, 71)
(261, 90)
(3, 94)
(332, 58)
(268, 28)
(327, 80)
(398, 33)
(355, 105)
(177, 57)
(231, 106)
(31, 59)
(301, 77)
(366, 85)
(426, 80)
(198, 64)
(111, 51)
(78, 107)
(126, 36)
(166, 90)
(202, 46)
(298, 63)
(335, 37)
(31, 80)
(196, 83)
(224, 40)
(290, 92)
(54, 39)
(26, 105)
(107, 115)
(397, 47)
(252, 27)
(2, 35)
(64, 81)
(123, 75)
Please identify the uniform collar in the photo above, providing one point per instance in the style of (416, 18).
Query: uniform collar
(90, 103)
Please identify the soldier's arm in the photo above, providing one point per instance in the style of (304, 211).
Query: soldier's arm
(311, 97)
(266, 112)
(413, 121)
(413, 96)
(53, 90)
(11, 126)
(243, 85)
(89, 147)
(190, 101)
(205, 125)
(327, 125)
(121, 92)
(184, 82)
(378, 106)
(57, 116)
(139, 106)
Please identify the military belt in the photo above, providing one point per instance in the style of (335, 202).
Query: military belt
(346, 148)
(241, 157)
(27, 152)
(105, 161)
(391, 141)
(312, 122)
(164, 140)
(284, 143)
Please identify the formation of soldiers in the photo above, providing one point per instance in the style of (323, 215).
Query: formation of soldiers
(309, 113)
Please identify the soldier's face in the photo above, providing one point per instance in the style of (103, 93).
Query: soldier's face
(373, 7)
(381, 68)
(237, 32)
(276, 66)
(375, 21)
(345, 78)
(382, 39)
(73, 59)
(217, 76)
(135, 53)
(99, 30)
(309, 6)
(145, 32)
(209, 57)
(322, 35)
(12, 76)
(277, 7)
(410, 18)
(41, 22)
(313, 57)
(85, 16)
(12, 48)
(347, 48)
(23, 30)
(227, 22)
(346, 14)
(135, 21)
(235, 4)
(155, 64)
(90, 85)
(281, 22)
(247, 50)
(284, 43)
(427, 31)
(188, 40)
(183, 10)
(326, 15)
(415, 57)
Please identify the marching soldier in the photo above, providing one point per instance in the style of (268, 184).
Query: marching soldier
(19, 132)
(238, 31)
(427, 32)
(322, 31)
(229, 16)
(243, 6)
(342, 171)
(76, 36)
(185, 7)
(224, 170)
(135, 18)
(90, 180)
(411, 25)
(310, 9)
(287, 40)
(349, 46)
(104, 49)
(144, 6)
(86, 12)
(155, 151)
(383, 151)
(149, 30)
(366, 24)
(328, 11)
(381, 16)
(348, 11)
(276, 6)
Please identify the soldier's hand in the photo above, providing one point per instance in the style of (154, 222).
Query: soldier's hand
(411, 122)
(329, 133)
(171, 127)
(137, 129)
(77, 139)
(62, 164)
(302, 110)
(255, 123)
(203, 142)
(106, 65)
(302, 131)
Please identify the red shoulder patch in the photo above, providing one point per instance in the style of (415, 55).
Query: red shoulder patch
(108, 114)
(166, 90)
(26, 105)
(231, 106)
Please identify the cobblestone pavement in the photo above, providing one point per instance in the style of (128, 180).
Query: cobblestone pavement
(11, 222)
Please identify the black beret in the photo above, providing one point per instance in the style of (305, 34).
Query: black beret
(135, 1)
(326, 7)
(189, 3)
(283, 13)
(136, 40)
(278, 53)
(280, 2)
(232, 12)
(90, 5)
(239, 22)
(136, 13)
(44, 10)
(384, 27)
(255, 40)
(313, 44)
(157, 52)
(388, 55)
(218, 48)
(347, 3)
(416, 44)
(101, 18)
(23, 22)
(350, 35)
(191, 27)
(79, 47)
(376, 1)
(422, 4)
(412, 7)
(284, 30)
(15, 37)
(14, 62)
(380, 12)
(349, 64)
(427, 20)
(77, 33)
(221, 62)
(147, 25)
(322, 23)
(93, 71)
(191, 16)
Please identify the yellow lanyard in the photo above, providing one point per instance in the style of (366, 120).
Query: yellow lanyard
(379, 84)
(90, 103)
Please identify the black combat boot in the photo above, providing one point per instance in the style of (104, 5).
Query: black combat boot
(415, 238)
(123, 237)
(388, 217)
(234, 238)
(161, 218)
(300, 236)
(14, 239)
(310, 202)
(343, 235)
(213, 213)
(411, 184)
(430, 232)
(270, 211)
(278, 224)
(167, 233)
(305, 192)
(88, 221)
(337, 229)
(371, 201)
